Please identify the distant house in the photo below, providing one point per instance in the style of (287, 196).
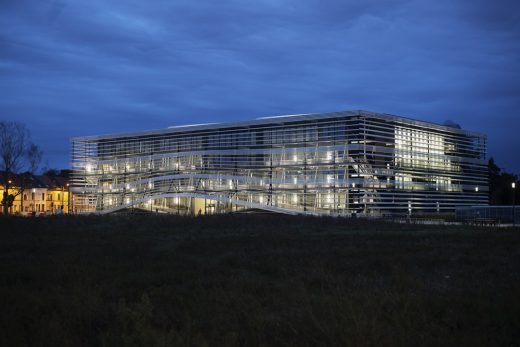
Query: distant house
(38, 194)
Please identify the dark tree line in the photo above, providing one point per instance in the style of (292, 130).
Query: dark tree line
(501, 191)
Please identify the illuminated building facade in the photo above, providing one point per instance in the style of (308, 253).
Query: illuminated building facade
(341, 163)
(41, 194)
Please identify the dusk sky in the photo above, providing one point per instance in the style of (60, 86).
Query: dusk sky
(73, 68)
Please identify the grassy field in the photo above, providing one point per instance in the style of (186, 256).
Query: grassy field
(255, 280)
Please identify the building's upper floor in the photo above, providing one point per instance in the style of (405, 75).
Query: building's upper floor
(355, 128)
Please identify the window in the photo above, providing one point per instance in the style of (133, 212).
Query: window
(43, 196)
(59, 196)
(32, 196)
(25, 197)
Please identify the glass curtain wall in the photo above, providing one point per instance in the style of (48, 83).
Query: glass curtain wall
(343, 163)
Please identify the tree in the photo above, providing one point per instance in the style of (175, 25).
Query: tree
(17, 154)
(500, 190)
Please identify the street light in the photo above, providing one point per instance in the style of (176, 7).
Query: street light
(476, 189)
(513, 185)
(68, 198)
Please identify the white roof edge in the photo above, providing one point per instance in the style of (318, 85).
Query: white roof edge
(189, 125)
(284, 116)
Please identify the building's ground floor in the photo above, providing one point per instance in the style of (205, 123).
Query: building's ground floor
(338, 203)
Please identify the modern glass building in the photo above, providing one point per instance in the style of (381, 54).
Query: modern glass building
(341, 163)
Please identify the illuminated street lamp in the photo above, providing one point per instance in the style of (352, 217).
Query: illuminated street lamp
(68, 198)
(513, 185)
(476, 189)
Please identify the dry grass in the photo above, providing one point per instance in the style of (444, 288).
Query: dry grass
(255, 280)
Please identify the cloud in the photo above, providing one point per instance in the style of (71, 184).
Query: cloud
(104, 67)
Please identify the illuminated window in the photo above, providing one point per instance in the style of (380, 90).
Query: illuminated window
(328, 156)
(416, 148)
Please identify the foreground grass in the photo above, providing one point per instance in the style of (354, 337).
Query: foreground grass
(255, 280)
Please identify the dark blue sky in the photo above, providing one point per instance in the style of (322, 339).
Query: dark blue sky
(71, 68)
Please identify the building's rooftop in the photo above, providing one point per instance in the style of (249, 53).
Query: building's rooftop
(29, 180)
(284, 119)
